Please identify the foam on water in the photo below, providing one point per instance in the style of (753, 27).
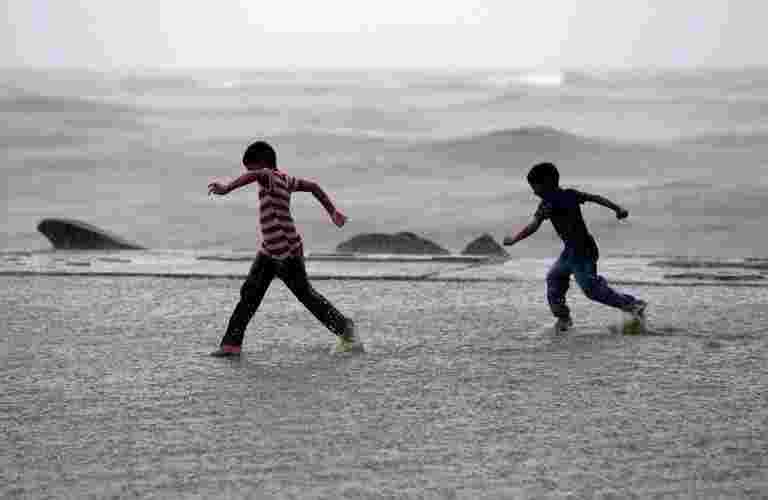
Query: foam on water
(199, 264)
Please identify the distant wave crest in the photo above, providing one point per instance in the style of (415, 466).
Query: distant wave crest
(523, 136)
(528, 79)
(734, 140)
(140, 84)
(20, 101)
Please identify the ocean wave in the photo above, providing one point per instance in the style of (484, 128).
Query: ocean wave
(728, 80)
(144, 83)
(680, 185)
(313, 82)
(527, 79)
(734, 140)
(24, 102)
(536, 138)
(39, 141)
(586, 79)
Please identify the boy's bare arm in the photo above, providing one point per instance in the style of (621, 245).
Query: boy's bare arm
(621, 213)
(527, 231)
(312, 187)
(249, 177)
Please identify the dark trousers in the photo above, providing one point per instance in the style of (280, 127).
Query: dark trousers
(293, 273)
(584, 270)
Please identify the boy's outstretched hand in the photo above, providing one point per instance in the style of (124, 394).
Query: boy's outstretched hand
(217, 188)
(338, 218)
(622, 213)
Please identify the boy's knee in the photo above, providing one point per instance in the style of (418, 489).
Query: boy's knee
(590, 293)
(553, 276)
(590, 286)
(249, 293)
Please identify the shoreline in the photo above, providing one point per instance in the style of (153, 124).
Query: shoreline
(727, 283)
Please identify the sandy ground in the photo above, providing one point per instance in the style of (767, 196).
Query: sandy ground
(108, 392)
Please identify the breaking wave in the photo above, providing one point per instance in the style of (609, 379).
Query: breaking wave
(735, 140)
(519, 139)
(23, 102)
(529, 79)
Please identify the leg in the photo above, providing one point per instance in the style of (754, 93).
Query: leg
(251, 293)
(294, 275)
(596, 287)
(558, 281)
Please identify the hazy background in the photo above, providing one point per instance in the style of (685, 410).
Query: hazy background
(398, 33)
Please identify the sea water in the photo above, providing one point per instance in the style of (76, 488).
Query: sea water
(442, 154)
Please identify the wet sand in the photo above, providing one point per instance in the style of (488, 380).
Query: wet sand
(108, 392)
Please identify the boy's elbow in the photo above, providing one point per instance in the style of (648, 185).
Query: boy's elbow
(591, 198)
(316, 190)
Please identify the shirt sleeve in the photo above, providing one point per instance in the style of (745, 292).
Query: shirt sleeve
(581, 198)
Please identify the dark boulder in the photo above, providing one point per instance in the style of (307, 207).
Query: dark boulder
(69, 234)
(485, 245)
(399, 243)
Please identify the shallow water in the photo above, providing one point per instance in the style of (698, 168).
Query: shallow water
(626, 269)
(108, 392)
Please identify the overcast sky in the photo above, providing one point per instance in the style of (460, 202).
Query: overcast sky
(383, 33)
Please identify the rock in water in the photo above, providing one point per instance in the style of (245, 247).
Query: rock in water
(399, 243)
(69, 234)
(485, 245)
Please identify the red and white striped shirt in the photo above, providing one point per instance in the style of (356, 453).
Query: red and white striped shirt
(278, 231)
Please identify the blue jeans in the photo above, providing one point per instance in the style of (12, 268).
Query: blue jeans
(584, 270)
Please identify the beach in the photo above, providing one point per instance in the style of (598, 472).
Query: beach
(464, 392)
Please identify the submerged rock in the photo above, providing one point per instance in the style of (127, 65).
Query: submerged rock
(398, 243)
(485, 245)
(70, 234)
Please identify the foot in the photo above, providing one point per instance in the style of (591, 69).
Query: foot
(637, 310)
(226, 351)
(562, 325)
(348, 341)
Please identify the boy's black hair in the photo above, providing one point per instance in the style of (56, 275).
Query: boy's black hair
(544, 173)
(260, 151)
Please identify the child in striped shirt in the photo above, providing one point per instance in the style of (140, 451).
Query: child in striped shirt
(281, 254)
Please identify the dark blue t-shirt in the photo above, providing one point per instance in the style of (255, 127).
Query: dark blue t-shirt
(562, 208)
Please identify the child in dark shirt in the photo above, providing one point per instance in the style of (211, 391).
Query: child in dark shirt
(580, 255)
